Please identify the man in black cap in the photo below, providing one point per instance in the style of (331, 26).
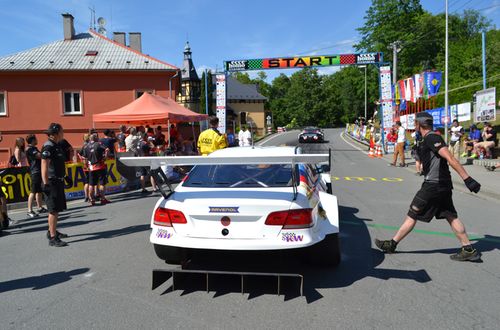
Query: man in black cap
(434, 199)
(53, 172)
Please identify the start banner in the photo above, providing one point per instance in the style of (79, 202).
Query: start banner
(16, 182)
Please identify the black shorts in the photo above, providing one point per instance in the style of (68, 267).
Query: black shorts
(142, 171)
(55, 198)
(433, 200)
(98, 177)
(36, 183)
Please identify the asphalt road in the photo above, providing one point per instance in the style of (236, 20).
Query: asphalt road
(102, 280)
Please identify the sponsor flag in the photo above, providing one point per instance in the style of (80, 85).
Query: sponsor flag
(410, 90)
(418, 79)
(402, 90)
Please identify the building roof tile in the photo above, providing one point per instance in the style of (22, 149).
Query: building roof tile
(68, 55)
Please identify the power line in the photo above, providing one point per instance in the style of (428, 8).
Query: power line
(492, 78)
(341, 43)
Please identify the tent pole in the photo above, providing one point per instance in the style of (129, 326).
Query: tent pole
(168, 130)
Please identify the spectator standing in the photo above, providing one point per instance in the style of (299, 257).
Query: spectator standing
(95, 154)
(81, 156)
(231, 139)
(418, 140)
(109, 142)
(400, 146)
(132, 141)
(173, 134)
(392, 136)
(5, 221)
(69, 152)
(120, 138)
(35, 163)
(489, 137)
(144, 151)
(20, 152)
(53, 171)
(434, 199)
(244, 137)
(188, 147)
(210, 139)
(456, 134)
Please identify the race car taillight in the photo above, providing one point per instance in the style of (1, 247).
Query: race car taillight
(166, 217)
(290, 219)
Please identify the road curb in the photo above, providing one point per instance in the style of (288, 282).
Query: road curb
(458, 184)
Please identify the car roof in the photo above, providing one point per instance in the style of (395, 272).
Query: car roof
(310, 128)
(255, 151)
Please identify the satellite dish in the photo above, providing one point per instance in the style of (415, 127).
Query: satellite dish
(101, 21)
(101, 30)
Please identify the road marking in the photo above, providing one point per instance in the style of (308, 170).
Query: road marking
(365, 179)
(472, 237)
(352, 145)
(271, 138)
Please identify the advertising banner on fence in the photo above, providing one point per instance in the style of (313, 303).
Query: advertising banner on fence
(16, 182)
(485, 105)
(461, 112)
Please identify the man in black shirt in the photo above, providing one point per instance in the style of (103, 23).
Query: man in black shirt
(108, 141)
(95, 155)
(434, 199)
(34, 160)
(53, 171)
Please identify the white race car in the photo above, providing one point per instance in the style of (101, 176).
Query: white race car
(247, 198)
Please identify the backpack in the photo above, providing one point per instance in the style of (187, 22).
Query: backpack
(13, 161)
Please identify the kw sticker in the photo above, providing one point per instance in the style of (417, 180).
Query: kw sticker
(291, 237)
(365, 179)
(162, 233)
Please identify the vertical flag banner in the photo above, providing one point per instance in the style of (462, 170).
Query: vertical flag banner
(386, 96)
(220, 92)
(432, 83)
(485, 105)
(418, 81)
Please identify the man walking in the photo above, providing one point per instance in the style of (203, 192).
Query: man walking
(53, 171)
(434, 199)
(35, 164)
(456, 134)
(244, 137)
(400, 146)
(210, 139)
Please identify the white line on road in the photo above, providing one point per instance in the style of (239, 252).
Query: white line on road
(352, 145)
(271, 138)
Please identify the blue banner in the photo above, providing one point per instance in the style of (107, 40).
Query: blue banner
(438, 117)
(432, 81)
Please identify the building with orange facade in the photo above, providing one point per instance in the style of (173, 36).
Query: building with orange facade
(69, 80)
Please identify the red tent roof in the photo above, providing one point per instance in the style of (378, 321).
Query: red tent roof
(149, 110)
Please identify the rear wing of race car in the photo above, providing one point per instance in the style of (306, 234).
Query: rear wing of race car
(154, 163)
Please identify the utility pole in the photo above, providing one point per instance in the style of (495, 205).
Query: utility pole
(395, 46)
(446, 76)
(484, 58)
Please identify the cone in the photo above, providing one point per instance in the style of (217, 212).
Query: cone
(379, 153)
(371, 154)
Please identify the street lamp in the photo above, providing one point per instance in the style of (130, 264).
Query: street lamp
(170, 82)
(364, 66)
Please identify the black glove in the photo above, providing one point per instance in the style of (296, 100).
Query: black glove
(472, 184)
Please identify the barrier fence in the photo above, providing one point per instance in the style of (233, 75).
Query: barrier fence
(16, 182)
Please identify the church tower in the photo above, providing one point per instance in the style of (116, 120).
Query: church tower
(190, 83)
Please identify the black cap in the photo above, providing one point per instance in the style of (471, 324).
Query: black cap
(424, 118)
(53, 129)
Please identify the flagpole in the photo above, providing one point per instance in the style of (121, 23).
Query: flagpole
(446, 78)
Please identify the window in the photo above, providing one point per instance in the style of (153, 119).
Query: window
(138, 93)
(3, 104)
(72, 103)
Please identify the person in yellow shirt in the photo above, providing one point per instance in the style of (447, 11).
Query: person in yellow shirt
(210, 139)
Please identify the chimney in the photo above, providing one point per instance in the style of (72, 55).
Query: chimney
(119, 37)
(69, 28)
(135, 41)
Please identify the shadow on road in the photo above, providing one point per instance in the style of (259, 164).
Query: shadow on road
(110, 233)
(359, 260)
(42, 281)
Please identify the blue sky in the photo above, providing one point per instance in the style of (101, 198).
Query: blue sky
(217, 30)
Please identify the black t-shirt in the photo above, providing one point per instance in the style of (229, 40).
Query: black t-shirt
(435, 167)
(120, 138)
(94, 152)
(493, 135)
(35, 163)
(109, 143)
(54, 152)
(66, 147)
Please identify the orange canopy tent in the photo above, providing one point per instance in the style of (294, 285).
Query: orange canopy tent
(149, 110)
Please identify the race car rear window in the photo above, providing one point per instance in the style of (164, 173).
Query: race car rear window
(240, 176)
